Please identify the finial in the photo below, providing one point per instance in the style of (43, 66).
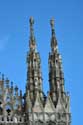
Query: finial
(52, 26)
(16, 88)
(3, 77)
(31, 27)
(52, 22)
(31, 21)
(32, 43)
(11, 87)
(21, 93)
(11, 84)
(7, 82)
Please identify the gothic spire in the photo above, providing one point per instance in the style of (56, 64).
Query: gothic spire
(34, 75)
(55, 67)
(32, 43)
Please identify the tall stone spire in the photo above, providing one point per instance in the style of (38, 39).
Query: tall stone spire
(56, 77)
(34, 75)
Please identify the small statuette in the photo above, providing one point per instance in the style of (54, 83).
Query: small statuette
(11, 84)
(52, 27)
(52, 23)
(31, 21)
(31, 28)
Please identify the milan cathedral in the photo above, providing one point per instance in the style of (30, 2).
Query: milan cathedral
(34, 107)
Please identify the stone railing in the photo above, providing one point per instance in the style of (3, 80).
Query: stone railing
(46, 117)
(37, 119)
(13, 119)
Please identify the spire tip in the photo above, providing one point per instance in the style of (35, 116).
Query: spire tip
(31, 21)
(52, 21)
(52, 27)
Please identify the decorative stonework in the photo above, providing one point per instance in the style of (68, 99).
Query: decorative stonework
(34, 107)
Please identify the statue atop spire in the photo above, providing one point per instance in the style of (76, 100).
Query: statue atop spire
(31, 28)
(34, 75)
(32, 43)
(34, 107)
(52, 27)
(53, 39)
